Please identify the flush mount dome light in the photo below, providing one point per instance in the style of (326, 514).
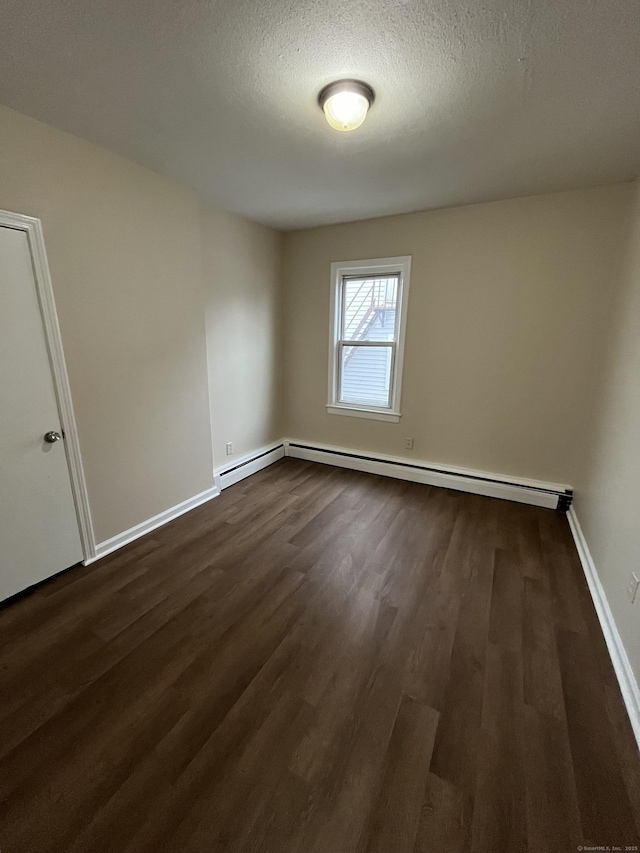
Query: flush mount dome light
(346, 103)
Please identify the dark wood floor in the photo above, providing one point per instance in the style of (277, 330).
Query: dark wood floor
(318, 661)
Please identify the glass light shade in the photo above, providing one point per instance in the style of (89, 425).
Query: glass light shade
(345, 103)
(346, 110)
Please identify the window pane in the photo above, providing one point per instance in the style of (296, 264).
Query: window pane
(369, 309)
(365, 375)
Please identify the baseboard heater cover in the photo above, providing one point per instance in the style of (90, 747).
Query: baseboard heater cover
(250, 464)
(476, 483)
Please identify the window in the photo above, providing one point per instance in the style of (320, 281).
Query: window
(368, 317)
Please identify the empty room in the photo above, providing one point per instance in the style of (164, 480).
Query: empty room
(320, 426)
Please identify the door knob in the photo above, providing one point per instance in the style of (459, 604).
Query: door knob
(52, 436)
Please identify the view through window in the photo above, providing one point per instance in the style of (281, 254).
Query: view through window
(368, 340)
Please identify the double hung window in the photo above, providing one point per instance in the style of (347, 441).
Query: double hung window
(368, 318)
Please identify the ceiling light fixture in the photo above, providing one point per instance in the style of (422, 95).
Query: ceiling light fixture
(346, 103)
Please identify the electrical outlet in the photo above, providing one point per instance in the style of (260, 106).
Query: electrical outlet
(408, 443)
(632, 589)
(229, 448)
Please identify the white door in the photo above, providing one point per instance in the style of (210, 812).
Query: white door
(39, 533)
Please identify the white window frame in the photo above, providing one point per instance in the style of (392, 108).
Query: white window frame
(377, 267)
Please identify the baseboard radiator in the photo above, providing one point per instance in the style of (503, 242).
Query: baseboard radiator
(247, 465)
(549, 495)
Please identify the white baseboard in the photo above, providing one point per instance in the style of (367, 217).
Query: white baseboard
(150, 524)
(626, 678)
(223, 477)
(251, 463)
(518, 489)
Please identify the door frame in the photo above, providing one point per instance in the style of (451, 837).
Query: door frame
(32, 227)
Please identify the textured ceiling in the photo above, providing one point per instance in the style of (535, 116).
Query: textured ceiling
(475, 100)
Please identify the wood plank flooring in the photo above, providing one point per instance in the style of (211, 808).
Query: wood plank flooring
(318, 661)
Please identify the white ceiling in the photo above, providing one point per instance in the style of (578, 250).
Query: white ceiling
(475, 100)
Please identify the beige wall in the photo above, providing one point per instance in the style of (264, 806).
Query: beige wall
(124, 252)
(242, 274)
(506, 308)
(608, 495)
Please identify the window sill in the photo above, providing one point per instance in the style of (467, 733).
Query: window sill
(373, 414)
